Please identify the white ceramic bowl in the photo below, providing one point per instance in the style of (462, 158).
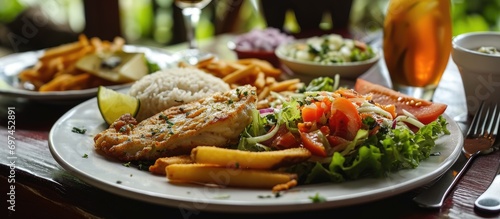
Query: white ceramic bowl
(480, 72)
(348, 70)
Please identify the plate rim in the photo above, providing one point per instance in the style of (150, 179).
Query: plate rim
(235, 206)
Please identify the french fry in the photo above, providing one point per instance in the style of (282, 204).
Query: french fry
(48, 68)
(158, 167)
(265, 66)
(205, 62)
(30, 74)
(239, 74)
(83, 40)
(60, 50)
(118, 43)
(55, 84)
(72, 58)
(61, 62)
(270, 80)
(76, 82)
(284, 85)
(285, 186)
(256, 72)
(237, 66)
(249, 159)
(260, 81)
(213, 174)
(264, 93)
(218, 68)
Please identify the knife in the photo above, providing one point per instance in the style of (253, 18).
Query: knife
(434, 196)
(490, 199)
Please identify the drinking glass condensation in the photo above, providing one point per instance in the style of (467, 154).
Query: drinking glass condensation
(417, 44)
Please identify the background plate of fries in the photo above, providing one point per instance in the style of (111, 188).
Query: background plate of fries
(75, 153)
(12, 65)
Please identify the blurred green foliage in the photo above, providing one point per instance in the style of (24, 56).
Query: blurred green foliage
(9, 9)
(475, 15)
(137, 18)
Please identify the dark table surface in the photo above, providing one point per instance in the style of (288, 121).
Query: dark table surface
(43, 189)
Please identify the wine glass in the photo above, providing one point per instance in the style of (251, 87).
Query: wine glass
(191, 11)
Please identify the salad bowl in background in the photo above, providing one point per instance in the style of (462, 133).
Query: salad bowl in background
(480, 71)
(349, 70)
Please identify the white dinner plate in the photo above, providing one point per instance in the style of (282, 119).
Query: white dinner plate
(11, 65)
(75, 153)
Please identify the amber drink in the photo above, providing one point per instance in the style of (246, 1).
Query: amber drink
(417, 44)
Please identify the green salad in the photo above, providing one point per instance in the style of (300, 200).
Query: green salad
(349, 136)
(329, 49)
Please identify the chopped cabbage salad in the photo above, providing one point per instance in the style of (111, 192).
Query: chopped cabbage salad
(329, 49)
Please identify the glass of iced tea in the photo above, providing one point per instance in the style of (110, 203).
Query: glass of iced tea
(417, 44)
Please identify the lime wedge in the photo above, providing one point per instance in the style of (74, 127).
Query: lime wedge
(113, 104)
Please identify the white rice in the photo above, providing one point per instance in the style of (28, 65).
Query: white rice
(172, 87)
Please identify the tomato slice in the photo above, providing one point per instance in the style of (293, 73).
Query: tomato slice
(315, 112)
(313, 142)
(286, 140)
(338, 123)
(425, 111)
(336, 140)
(309, 113)
(283, 139)
(345, 120)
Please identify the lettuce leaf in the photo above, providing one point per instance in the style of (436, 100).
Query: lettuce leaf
(388, 151)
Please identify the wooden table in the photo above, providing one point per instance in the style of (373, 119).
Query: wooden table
(44, 189)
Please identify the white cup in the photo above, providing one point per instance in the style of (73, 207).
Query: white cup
(480, 71)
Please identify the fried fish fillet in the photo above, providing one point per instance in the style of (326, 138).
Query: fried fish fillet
(217, 120)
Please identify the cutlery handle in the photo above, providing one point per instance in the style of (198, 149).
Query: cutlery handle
(434, 196)
(490, 199)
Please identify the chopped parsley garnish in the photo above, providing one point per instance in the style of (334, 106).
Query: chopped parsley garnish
(140, 165)
(85, 156)
(123, 129)
(163, 116)
(152, 67)
(276, 195)
(435, 154)
(79, 130)
(317, 198)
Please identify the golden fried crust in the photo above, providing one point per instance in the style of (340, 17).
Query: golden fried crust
(217, 120)
(159, 166)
